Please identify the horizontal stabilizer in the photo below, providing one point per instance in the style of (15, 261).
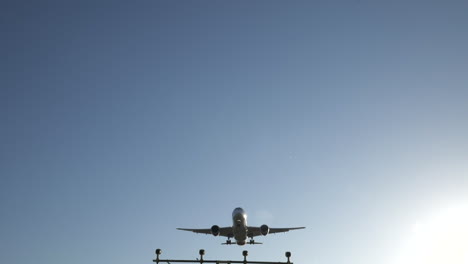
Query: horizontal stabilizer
(247, 243)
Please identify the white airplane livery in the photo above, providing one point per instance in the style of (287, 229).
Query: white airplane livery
(239, 230)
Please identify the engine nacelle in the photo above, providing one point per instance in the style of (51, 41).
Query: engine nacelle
(215, 230)
(264, 229)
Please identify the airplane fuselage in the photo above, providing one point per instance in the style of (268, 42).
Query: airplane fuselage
(239, 225)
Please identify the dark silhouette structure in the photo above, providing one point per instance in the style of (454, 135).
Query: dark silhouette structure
(245, 253)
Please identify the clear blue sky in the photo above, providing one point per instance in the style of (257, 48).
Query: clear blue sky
(122, 120)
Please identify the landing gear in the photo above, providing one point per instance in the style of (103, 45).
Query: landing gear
(252, 242)
(228, 241)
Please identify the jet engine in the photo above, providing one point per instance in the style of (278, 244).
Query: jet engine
(264, 229)
(215, 230)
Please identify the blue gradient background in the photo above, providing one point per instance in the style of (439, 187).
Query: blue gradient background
(121, 121)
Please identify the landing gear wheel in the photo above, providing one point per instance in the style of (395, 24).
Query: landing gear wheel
(228, 242)
(252, 242)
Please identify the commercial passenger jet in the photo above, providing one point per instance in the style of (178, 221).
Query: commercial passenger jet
(240, 230)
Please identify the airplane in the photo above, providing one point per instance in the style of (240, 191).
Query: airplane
(239, 230)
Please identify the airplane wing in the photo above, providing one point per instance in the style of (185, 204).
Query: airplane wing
(255, 230)
(223, 231)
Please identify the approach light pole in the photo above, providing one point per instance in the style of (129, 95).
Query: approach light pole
(245, 253)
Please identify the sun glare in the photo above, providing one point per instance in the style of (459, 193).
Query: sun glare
(441, 239)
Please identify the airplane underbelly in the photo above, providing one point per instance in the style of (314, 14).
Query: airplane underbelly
(240, 233)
